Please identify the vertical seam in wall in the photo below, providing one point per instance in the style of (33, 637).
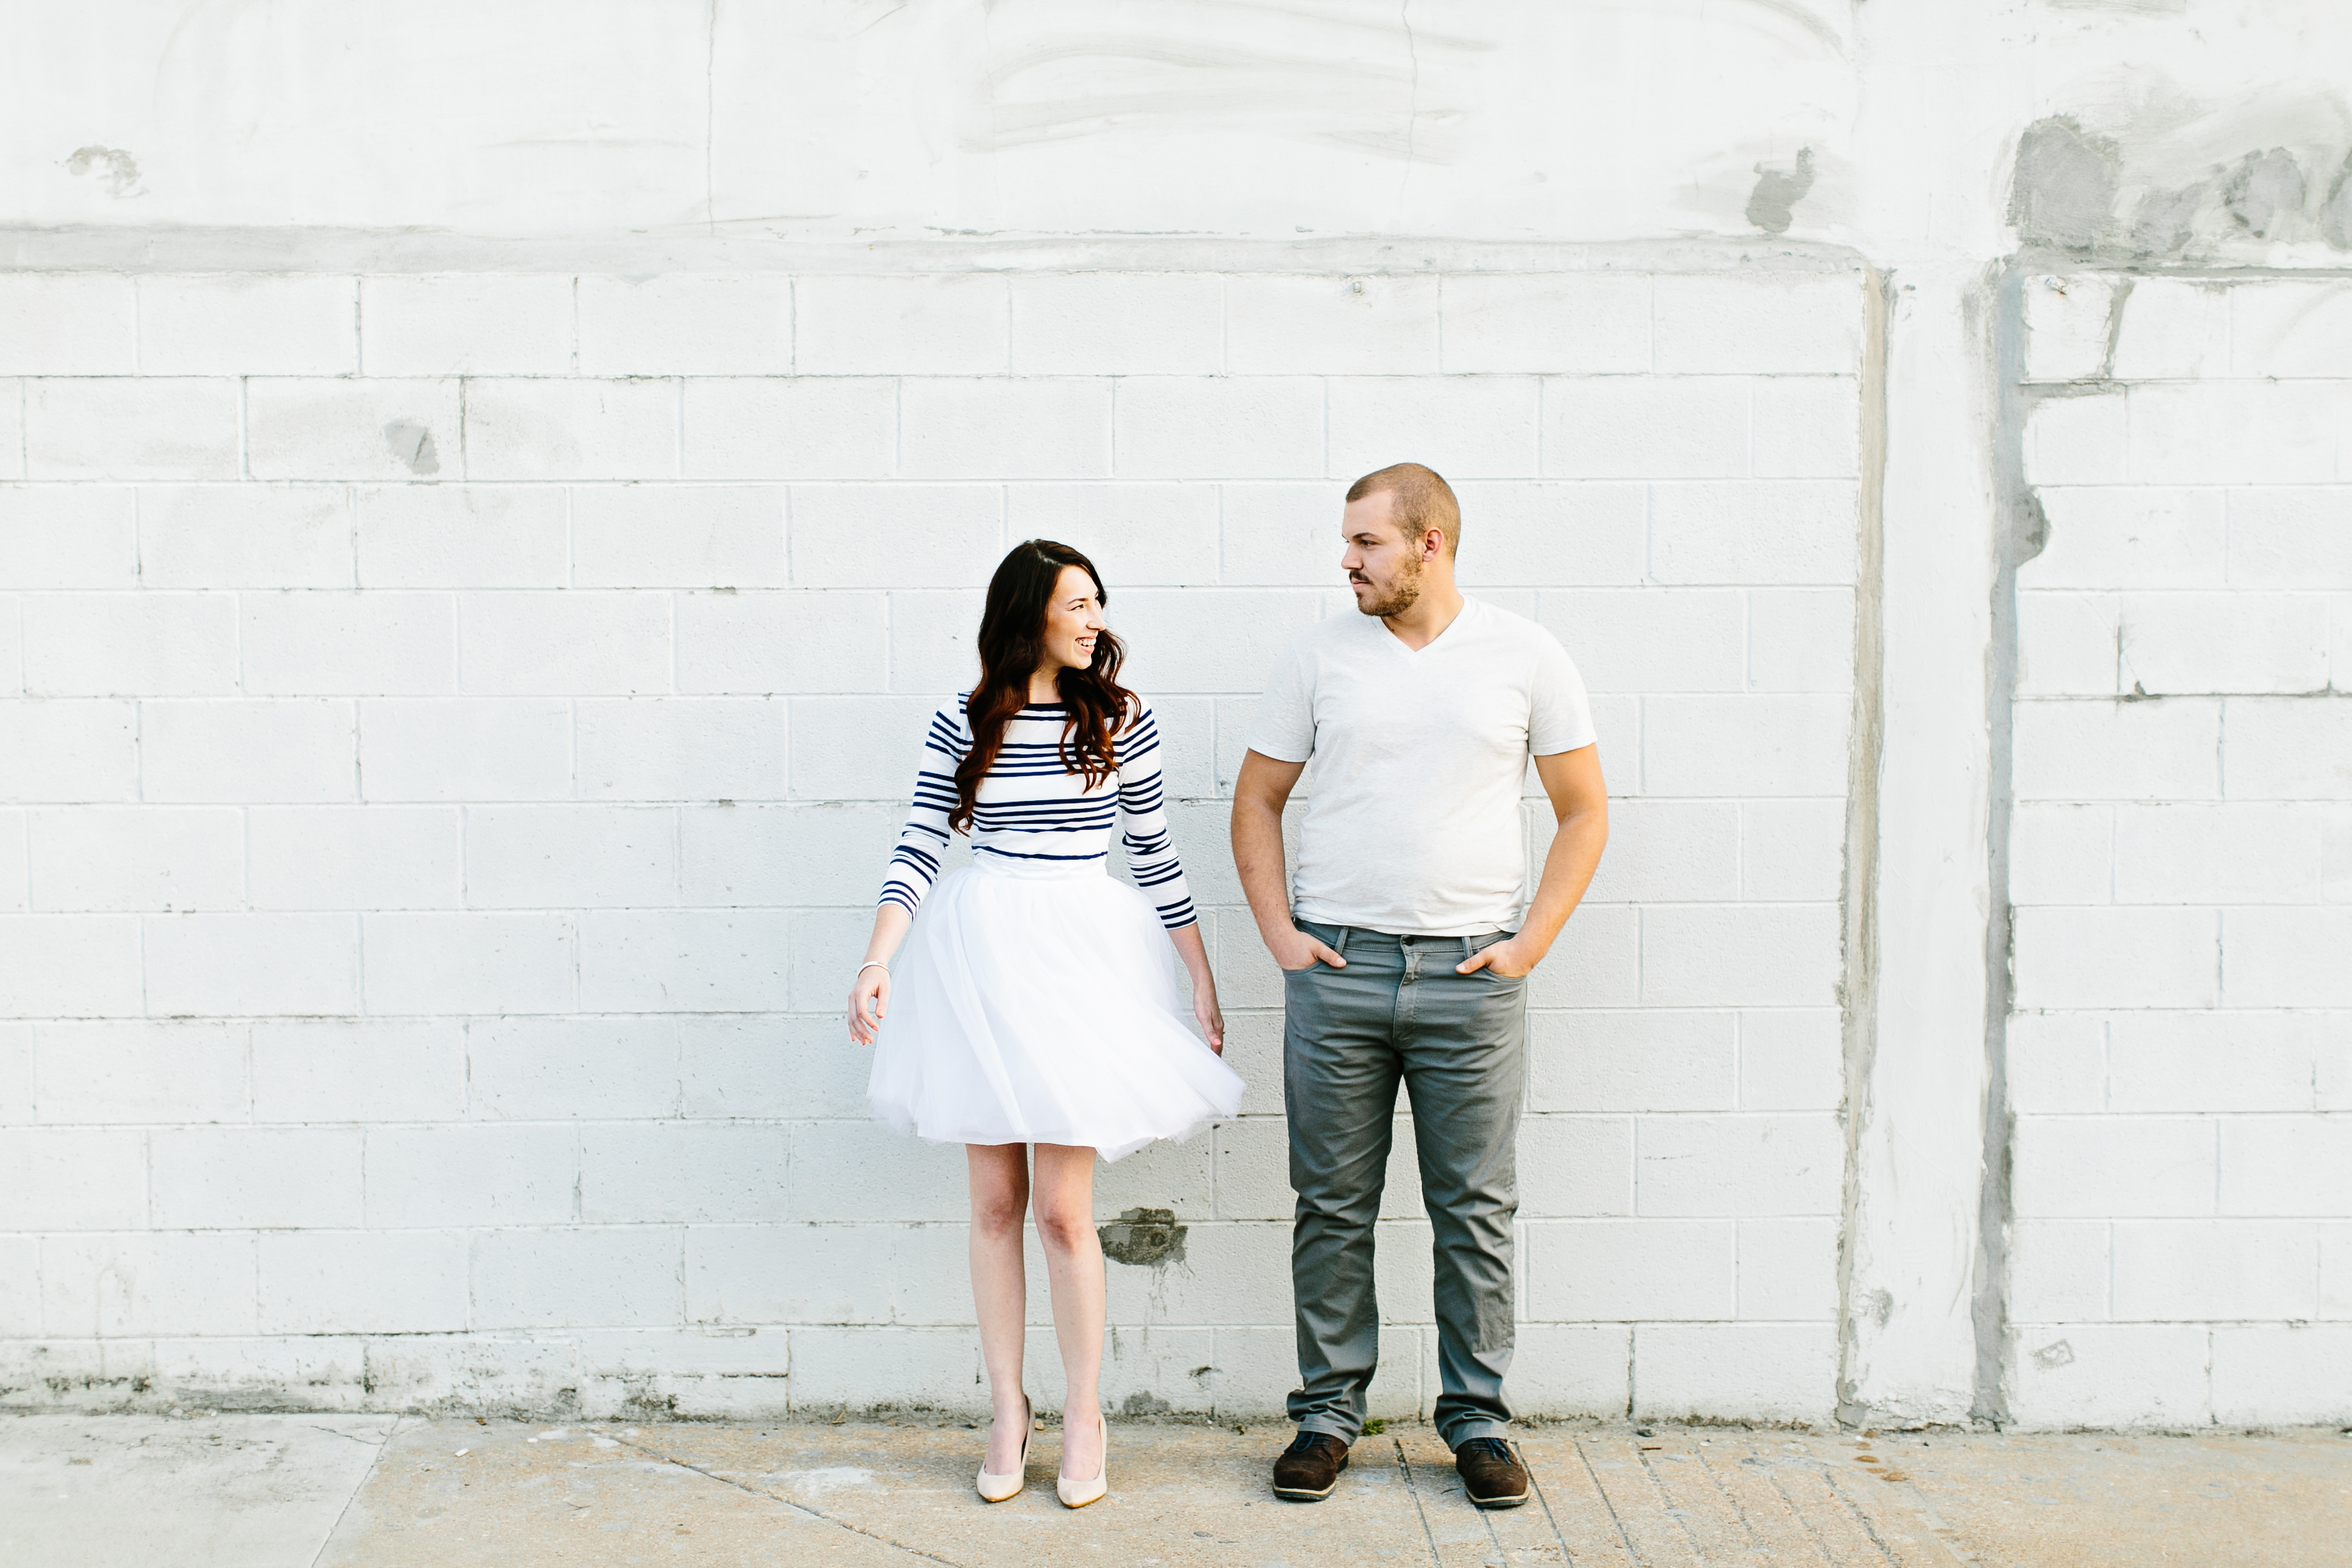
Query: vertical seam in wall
(1864, 764)
(2221, 750)
(2020, 531)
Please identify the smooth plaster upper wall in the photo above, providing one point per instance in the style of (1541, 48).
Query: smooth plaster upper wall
(1890, 128)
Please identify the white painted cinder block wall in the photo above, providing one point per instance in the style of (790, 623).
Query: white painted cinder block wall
(487, 499)
(2182, 855)
(451, 772)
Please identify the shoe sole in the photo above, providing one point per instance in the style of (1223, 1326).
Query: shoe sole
(1300, 1494)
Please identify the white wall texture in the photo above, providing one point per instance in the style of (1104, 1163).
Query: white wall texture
(485, 502)
(2182, 853)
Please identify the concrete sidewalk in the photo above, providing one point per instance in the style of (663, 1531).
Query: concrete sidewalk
(346, 1491)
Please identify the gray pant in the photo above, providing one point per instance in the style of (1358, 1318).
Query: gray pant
(1459, 1042)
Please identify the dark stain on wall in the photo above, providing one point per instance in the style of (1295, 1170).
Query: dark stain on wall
(2336, 213)
(412, 443)
(2131, 197)
(1144, 1237)
(2064, 193)
(116, 169)
(1771, 206)
(2166, 220)
(2263, 190)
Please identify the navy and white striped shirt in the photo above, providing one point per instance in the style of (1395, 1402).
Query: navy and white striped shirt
(1031, 808)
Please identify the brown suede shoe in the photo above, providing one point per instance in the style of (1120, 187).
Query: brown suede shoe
(1492, 1473)
(1309, 1467)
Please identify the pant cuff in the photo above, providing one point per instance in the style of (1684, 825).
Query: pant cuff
(1462, 1432)
(1330, 1426)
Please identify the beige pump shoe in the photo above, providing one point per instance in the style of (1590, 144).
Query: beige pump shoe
(1077, 1494)
(1001, 1489)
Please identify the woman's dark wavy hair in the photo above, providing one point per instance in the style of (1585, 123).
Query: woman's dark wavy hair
(1011, 644)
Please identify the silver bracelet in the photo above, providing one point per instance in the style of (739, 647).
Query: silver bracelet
(872, 964)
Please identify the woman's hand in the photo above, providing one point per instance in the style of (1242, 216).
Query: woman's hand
(1208, 1015)
(1205, 1011)
(869, 991)
(869, 1003)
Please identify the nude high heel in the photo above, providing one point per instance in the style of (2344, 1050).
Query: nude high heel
(1077, 1494)
(999, 1489)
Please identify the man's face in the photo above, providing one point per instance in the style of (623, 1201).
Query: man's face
(1383, 567)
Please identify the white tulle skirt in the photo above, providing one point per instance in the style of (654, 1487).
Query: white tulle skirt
(1036, 1002)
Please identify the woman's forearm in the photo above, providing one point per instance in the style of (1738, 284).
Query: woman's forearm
(890, 923)
(1195, 953)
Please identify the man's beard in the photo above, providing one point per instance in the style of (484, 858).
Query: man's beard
(1402, 594)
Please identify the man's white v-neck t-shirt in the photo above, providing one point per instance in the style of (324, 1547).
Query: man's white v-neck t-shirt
(1413, 823)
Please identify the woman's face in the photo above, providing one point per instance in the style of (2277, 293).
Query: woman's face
(1073, 619)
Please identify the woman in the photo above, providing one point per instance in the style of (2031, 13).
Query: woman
(1034, 1004)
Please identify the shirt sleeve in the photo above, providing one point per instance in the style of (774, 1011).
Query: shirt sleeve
(915, 863)
(1559, 714)
(1151, 850)
(1284, 729)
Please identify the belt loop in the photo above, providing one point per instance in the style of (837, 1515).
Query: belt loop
(1469, 952)
(1340, 946)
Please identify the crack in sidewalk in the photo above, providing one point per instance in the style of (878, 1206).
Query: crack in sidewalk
(1413, 1491)
(787, 1502)
(357, 1487)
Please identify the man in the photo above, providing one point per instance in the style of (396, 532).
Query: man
(1405, 955)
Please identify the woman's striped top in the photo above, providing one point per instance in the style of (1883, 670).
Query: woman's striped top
(1031, 808)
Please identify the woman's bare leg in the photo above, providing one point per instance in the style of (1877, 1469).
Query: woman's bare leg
(1065, 1194)
(1000, 1198)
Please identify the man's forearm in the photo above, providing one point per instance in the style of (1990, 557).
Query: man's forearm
(1258, 858)
(1566, 872)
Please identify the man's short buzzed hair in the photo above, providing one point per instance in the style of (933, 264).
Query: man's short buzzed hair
(1422, 500)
